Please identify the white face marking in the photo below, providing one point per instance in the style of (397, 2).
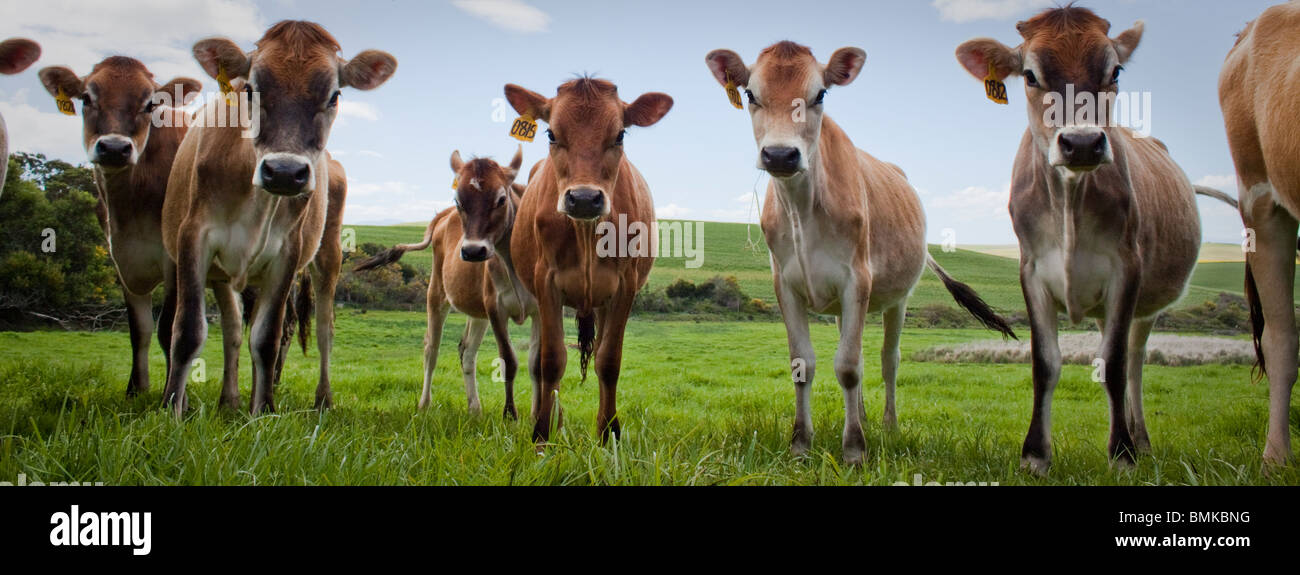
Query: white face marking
(795, 124)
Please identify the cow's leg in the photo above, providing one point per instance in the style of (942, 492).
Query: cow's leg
(535, 362)
(554, 357)
(1036, 454)
(889, 359)
(324, 278)
(264, 336)
(848, 367)
(609, 361)
(803, 365)
(139, 319)
(1114, 352)
(1273, 267)
(437, 316)
(190, 327)
(1137, 353)
(167, 316)
(232, 337)
(468, 352)
(509, 363)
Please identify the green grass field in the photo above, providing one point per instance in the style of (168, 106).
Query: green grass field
(700, 403)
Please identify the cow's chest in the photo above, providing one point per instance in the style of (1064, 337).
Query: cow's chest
(812, 265)
(252, 247)
(1078, 284)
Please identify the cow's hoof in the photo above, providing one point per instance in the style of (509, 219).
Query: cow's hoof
(800, 443)
(509, 413)
(1035, 465)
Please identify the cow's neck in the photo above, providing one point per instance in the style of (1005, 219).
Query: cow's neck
(126, 193)
(800, 198)
(504, 277)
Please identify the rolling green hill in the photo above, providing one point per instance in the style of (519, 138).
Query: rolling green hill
(738, 250)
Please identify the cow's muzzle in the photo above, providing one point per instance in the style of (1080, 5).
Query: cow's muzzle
(475, 250)
(584, 203)
(113, 152)
(1081, 149)
(780, 161)
(285, 175)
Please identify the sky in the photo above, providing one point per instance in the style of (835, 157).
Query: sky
(913, 104)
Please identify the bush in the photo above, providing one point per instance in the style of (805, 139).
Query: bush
(716, 298)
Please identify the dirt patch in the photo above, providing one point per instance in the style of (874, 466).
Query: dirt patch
(1081, 349)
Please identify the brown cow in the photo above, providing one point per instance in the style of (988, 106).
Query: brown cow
(585, 183)
(472, 271)
(131, 129)
(847, 231)
(253, 210)
(1107, 221)
(1257, 89)
(16, 54)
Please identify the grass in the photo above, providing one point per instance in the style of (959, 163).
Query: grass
(700, 403)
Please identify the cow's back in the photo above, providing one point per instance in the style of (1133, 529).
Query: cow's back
(1257, 89)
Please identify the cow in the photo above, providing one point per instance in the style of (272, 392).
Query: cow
(585, 187)
(1257, 90)
(1107, 222)
(253, 210)
(16, 54)
(846, 230)
(473, 272)
(131, 129)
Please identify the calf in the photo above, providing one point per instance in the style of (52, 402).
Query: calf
(584, 181)
(473, 272)
(1107, 221)
(846, 231)
(252, 211)
(131, 132)
(16, 54)
(1257, 89)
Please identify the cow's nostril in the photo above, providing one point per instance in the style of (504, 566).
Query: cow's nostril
(302, 175)
(1066, 146)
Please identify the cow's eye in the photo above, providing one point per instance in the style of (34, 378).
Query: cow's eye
(1031, 79)
(334, 99)
(550, 136)
(149, 107)
(619, 140)
(1114, 77)
(501, 201)
(821, 97)
(750, 96)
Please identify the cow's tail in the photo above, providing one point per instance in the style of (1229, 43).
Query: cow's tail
(1256, 324)
(586, 340)
(396, 252)
(968, 299)
(1216, 194)
(303, 307)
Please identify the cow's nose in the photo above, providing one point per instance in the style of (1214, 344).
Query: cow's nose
(113, 152)
(780, 160)
(584, 203)
(1083, 149)
(285, 175)
(473, 252)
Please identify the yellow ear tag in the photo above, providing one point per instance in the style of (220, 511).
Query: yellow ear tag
(65, 103)
(524, 128)
(733, 94)
(455, 184)
(223, 82)
(993, 87)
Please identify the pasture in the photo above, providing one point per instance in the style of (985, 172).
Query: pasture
(701, 403)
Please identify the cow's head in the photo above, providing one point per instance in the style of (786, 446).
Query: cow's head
(786, 89)
(485, 201)
(118, 102)
(587, 122)
(16, 54)
(1065, 51)
(297, 75)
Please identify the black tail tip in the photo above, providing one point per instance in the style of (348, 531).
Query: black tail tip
(381, 259)
(586, 341)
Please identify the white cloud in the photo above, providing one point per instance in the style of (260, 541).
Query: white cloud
(357, 109)
(370, 154)
(513, 15)
(159, 33)
(391, 202)
(671, 211)
(33, 129)
(975, 201)
(1227, 184)
(971, 10)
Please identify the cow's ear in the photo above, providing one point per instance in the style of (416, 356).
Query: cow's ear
(368, 70)
(843, 67)
(58, 78)
(976, 56)
(517, 162)
(218, 54)
(1126, 43)
(727, 67)
(186, 87)
(647, 110)
(528, 103)
(16, 54)
(456, 162)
